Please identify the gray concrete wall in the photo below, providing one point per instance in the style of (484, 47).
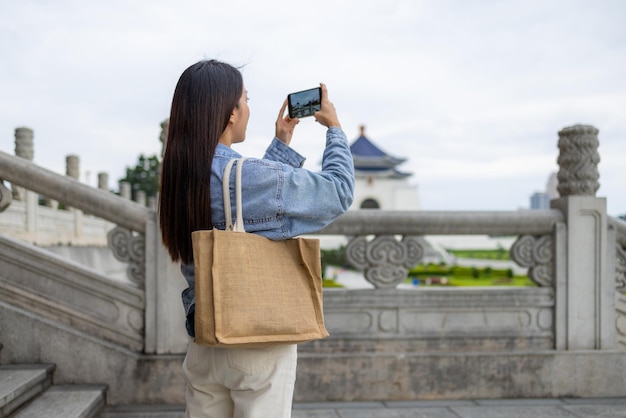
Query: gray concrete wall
(408, 376)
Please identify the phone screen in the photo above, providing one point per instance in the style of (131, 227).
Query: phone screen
(304, 103)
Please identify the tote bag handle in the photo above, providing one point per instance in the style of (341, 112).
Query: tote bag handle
(238, 226)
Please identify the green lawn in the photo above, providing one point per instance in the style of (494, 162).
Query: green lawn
(471, 281)
(499, 254)
(444, 275)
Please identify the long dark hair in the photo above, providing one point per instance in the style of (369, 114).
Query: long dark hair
(205, 96)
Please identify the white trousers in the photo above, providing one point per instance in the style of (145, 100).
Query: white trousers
(239, 382)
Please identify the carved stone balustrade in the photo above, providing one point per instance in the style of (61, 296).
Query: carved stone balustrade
(385, 260)
(130, 248)
(100, 203)
(537, 254)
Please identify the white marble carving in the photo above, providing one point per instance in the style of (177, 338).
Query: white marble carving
(620, 268)
(385, 260)
(537, 254)
(129, 248)
(578, 161)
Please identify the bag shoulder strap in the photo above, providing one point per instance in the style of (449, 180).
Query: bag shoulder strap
(238, 226)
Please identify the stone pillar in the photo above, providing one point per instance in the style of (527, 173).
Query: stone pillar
(103, 181)
(578, 161)
(24, 149)
(72, 166)
(125, 190)
(164, 284)
(140, 197)
(152, 202)
(585, 297)
(72, 169)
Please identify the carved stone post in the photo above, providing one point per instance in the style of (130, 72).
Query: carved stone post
(103, 181)
(72, 166)
(140, 197)
(165, 332)
(585, 298)
(72, 169)
(578, 161)
(125, 190)
(23, 149)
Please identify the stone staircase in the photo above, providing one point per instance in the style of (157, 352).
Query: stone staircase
(72, 343)
(144, 411)
(26, 391)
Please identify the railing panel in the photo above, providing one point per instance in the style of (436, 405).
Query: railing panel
(73, 193)
(377, 222)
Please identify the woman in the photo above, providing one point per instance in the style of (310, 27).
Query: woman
(280, 200)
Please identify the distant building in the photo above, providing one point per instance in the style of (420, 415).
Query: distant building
(379, 184)
(540, 200)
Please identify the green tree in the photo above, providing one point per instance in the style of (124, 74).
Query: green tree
(144, 176)
(333, 257)
(475, 273)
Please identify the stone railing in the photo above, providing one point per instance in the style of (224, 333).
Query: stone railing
(575, 249)
(42, 220)
(568, 249)
(135, 240)
(385, 259)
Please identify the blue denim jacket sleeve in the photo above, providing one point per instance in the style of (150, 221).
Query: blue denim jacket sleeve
(281, 200)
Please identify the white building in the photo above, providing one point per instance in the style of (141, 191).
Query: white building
(379, 184)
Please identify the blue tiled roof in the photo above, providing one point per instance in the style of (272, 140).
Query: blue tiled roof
(366, 154)
(363, 147)
(371, 160)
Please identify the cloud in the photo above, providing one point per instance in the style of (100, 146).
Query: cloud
(472, 93)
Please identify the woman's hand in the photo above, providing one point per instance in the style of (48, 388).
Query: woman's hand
(327, 115)
(285, 125)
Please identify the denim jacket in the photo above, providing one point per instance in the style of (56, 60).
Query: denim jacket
(280, 199)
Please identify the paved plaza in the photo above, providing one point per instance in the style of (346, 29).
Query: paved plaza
(498, 408)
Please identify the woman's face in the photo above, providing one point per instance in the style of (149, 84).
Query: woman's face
(242, 114)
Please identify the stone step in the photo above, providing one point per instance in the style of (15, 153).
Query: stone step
(21, 383)
(144, 411)
(71, 401)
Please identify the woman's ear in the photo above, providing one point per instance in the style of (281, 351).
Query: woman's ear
(234, 115)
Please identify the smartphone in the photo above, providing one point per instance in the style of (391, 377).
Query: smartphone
(304, 103)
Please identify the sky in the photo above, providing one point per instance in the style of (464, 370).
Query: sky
(472, 93)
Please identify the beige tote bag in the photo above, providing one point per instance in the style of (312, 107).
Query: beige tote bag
(252, 291)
